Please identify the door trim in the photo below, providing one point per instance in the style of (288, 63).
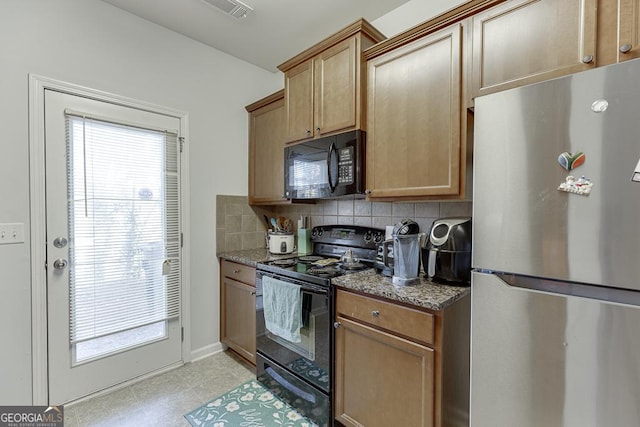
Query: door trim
(37, 86)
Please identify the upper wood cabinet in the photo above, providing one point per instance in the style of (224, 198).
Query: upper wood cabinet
(618, 31)
(525, 41)
(266, 150)
(629, 38)
(323, 91)
(414, 141)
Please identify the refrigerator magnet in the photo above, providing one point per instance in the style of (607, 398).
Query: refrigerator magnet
(581, 186)
(570, 161)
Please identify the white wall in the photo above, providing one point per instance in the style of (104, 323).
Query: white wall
(412, 13)
(90, 43)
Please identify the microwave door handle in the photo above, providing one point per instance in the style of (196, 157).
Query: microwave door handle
(332, 149)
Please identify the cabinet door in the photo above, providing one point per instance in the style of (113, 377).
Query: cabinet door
(335, 88)
(238, 320)
(629, 41)
(413, 118)
(382, 380)
(266, 154)
(525, 41)
(298, 86)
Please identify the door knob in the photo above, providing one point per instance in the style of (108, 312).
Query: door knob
(60, 264)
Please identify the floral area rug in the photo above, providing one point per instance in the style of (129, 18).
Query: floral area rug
(249, 405)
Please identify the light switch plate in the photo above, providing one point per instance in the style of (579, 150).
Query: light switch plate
(11, 233)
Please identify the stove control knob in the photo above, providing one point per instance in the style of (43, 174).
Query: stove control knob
(377, 238)
(367, 236)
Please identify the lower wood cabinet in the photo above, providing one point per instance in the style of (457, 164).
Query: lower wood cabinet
(238, 308)
(382, 379)
(396, 365)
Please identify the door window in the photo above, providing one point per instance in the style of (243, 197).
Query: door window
(122, 209)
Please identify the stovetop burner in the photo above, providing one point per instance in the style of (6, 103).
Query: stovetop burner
(330, 243)
(309, 258)
(287, 262)
(326, 272)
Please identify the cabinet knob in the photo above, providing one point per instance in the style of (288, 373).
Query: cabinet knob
(253, 292)
(587, 59)
(375, 313)
(236, 271)
(625, 48)
(317, 129)
(367, 191)
(336, 325)
(308, 132)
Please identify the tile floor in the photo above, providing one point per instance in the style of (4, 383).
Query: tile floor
(162, 400)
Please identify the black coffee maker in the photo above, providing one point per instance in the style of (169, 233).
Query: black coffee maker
(446, 255)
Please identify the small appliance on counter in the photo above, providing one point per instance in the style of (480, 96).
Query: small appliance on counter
(280, 242)
(304, 236)
(379, 263)
(406, 252)
(446, 254)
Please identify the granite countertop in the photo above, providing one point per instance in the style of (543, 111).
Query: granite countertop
(425, 293)
(251, 257)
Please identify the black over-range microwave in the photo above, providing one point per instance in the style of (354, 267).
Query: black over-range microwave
(325, 167)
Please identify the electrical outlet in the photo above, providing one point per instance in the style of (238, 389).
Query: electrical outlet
(11, 233)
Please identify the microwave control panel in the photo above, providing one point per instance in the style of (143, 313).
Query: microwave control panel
(345, 165)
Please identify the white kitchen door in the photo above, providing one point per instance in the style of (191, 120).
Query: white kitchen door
(113, 244)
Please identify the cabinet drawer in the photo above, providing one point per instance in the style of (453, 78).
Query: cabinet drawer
(239, 272)
(413, 324)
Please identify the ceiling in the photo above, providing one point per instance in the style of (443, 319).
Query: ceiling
(275, 31)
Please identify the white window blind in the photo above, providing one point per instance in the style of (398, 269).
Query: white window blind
(124, 226)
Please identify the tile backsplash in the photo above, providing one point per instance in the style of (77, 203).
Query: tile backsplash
(240, 226)
(375, 214)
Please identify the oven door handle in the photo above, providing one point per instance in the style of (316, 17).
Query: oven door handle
(292, 388)
(304, 286)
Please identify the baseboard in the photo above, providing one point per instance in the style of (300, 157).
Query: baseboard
(206, 351)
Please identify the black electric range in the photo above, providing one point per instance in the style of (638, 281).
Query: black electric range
(297, 363)
(330, 242)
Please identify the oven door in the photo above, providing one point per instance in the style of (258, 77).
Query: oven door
(310, 357)
(308, 400)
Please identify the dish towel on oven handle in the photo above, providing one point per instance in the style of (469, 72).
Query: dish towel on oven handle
(282, 308)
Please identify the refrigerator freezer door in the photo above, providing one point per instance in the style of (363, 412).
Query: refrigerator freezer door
(541, 359)
(522, 223)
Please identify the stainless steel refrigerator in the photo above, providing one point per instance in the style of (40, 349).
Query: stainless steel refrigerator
(556, 253)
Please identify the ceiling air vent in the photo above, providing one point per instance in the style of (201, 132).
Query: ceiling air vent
(235, 8)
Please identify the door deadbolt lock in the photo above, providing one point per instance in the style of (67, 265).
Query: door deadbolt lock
(60, 242)
(60, 264)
